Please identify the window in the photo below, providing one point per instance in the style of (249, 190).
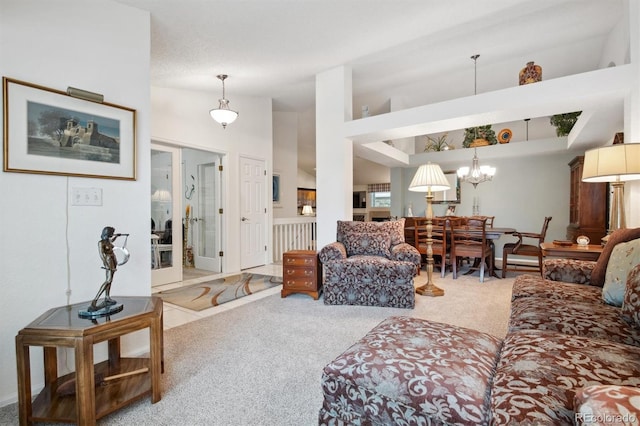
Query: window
(380, 194)
(381, 199)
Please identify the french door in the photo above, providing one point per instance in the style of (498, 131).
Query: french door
(166, 215)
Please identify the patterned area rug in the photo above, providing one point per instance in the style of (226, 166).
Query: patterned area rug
(213, 293)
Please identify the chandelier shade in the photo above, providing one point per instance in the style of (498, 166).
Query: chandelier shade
(476, 173)
(223, 114)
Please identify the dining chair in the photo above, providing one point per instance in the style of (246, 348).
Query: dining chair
(520, 249)
(470, 241)
(489, 219)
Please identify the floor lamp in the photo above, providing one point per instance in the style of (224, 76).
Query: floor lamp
(616, 164)
(429, 178)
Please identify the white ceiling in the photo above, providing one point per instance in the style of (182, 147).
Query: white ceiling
(415, 52)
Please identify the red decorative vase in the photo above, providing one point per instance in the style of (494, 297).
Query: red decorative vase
(530, 74)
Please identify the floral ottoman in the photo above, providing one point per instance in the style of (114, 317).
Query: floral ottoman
(412, 371)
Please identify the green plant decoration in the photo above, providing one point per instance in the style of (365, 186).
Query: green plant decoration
(481, 132)
(564, 122)
(438, 144)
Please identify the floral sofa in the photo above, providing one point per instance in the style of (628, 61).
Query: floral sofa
(370, 264)
(571, 356)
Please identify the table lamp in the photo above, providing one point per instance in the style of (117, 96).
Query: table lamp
(307, 210)
(429, 178)
(616, 164)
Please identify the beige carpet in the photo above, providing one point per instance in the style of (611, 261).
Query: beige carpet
(216, 292)
(260, 363)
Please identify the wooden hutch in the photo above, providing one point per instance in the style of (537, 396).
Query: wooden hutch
(588, 206)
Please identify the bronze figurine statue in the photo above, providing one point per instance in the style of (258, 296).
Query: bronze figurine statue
(110, 264)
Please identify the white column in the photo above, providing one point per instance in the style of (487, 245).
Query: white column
(632, 115)
(334, 153)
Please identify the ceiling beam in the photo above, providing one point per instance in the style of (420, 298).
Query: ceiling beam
(581, 92)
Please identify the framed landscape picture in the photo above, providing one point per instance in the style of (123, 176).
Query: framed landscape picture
(276, 189)
(47, 131)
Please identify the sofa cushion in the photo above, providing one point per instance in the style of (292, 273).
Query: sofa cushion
(395, 229)
(618, 236)
(539, 372)
(535, 286)
(631, 302)
(589, 319)
(624, 257)
(411, 371)
(606, 405)
(568, 270)
(367, 243)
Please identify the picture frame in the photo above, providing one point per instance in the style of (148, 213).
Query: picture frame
(451, 195)
(276, 189)
(46, 131)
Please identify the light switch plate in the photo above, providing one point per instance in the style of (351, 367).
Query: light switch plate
(86, 196)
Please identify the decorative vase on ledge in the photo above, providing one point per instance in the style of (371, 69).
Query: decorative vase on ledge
(531, 73)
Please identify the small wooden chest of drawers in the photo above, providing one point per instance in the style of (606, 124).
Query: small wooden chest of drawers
(301, 273)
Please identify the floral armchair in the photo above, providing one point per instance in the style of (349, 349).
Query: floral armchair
(370, 264)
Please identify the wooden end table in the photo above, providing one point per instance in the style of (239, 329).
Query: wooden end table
(122, 380)
(574, 251)
(301, 273)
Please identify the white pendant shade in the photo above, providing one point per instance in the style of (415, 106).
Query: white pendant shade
(429, 177)
(223, 114)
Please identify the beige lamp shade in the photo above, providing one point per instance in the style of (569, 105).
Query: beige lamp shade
(609, 163)
(429, 177)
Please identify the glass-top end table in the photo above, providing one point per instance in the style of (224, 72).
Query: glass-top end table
(97, 389)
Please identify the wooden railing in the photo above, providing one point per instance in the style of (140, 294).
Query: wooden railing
(293, 233)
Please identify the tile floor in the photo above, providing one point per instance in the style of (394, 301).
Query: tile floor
(176, 315)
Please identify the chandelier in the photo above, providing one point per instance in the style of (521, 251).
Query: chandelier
(223, 114)
(477, 173)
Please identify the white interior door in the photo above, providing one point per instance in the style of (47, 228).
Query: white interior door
(206, 229)
(166, 217)
(253, 212)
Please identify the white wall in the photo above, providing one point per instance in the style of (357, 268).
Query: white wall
(305, 180)
(48, 245)
(520, 195)
(181, 117)
(285, 162)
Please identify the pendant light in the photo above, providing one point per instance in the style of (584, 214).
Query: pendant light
(223, 114)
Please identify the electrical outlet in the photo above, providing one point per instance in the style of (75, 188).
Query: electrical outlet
(86, 196)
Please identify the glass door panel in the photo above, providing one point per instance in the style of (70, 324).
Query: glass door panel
(166, 238)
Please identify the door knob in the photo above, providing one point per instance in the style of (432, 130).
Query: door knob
(244, 218)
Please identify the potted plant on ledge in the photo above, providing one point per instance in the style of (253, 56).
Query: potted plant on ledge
(564, 122)
(479, 136)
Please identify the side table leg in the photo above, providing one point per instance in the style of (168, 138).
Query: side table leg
(85, 383)
(155, 357)
(50, 364)
(24, 381)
